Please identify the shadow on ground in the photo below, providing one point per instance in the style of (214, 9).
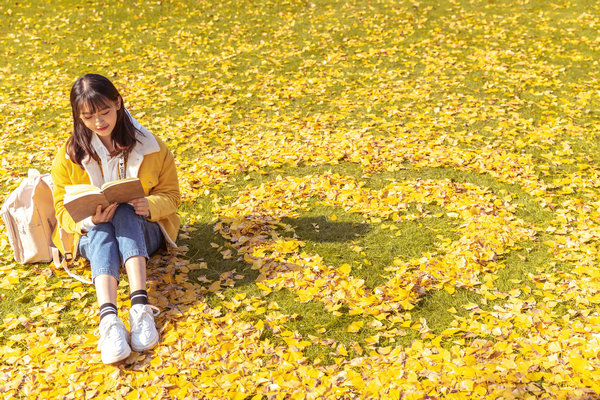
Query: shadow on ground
(321, 229)
(207, 246)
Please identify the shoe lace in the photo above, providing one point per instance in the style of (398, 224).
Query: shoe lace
(145, 316)
(106, 331)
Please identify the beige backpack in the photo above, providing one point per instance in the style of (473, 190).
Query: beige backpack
(28, 213)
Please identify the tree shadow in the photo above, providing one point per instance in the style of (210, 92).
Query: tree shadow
(207, 246)
(321, 229)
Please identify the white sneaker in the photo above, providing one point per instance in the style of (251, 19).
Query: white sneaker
(144, 335)
(113, 344)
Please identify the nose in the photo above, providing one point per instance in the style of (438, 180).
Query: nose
(99, 121)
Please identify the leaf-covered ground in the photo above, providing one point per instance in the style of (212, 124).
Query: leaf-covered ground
(382, 199)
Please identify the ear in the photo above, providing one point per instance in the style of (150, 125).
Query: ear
(119, 103)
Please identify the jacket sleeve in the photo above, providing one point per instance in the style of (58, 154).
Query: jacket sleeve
(164, 197)
(61, 178)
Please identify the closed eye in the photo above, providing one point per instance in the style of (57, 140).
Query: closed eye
(87, 117)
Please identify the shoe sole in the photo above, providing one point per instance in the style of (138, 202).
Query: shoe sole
(117, 357)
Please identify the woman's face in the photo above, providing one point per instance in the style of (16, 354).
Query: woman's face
(103, 121)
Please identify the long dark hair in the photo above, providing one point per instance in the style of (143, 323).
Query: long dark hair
(95, 92)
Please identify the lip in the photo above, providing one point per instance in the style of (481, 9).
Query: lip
(102, 129)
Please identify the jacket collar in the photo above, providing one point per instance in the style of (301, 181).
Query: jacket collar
(147, 145)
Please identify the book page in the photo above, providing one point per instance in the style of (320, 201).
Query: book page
(74, 190)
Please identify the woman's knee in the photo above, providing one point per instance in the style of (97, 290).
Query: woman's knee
(103, 230)
(124, 213)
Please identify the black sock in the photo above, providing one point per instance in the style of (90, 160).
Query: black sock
(107, 309)
(139, 297)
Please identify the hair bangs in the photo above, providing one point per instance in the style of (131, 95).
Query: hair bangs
(92, 102)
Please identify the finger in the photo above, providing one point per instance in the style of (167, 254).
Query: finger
(97, 218)
(143, 211)
(109, 208)
(110, 212)
(139, 204)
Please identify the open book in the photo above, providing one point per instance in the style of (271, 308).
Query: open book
(81, 201)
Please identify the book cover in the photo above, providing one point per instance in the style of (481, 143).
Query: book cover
(81, 201)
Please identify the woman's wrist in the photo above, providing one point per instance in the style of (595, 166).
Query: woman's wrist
(87, 224)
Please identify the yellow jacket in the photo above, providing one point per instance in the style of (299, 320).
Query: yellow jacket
(150, 160)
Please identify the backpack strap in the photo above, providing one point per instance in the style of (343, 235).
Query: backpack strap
(66, 261)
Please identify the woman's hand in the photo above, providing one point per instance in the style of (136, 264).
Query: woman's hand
(141, 206)
(104, 215)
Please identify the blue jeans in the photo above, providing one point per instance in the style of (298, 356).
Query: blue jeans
(110, 244)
